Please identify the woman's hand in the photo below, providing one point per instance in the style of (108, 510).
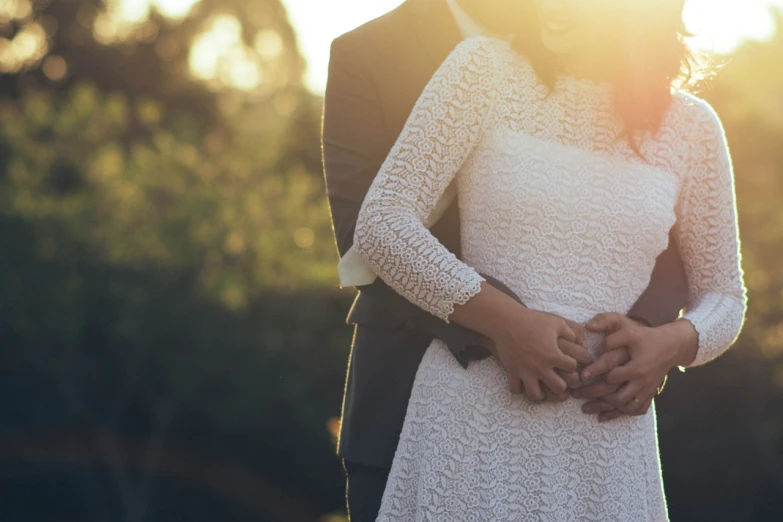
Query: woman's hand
(538, 351)
(576, 349)
(529, 348)
(653, 353)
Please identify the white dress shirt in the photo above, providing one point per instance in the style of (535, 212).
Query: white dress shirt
(353, 270)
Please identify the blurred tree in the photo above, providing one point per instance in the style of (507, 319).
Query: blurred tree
(721, 428)
(160, 196)
(749, 95)
(116, 145)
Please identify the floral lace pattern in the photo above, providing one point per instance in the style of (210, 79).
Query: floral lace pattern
(560, 209)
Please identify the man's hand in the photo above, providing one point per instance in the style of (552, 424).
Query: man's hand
(599, 389)
(630, 386)
(596, 393)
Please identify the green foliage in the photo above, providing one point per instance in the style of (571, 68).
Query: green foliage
(123, 176)
(210, 204)
(166, 271)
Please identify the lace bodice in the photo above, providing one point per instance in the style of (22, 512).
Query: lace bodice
(553, 202)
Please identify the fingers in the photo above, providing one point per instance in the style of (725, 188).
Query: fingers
(572, 379)
(604, 364)
(578, 329)
(625, 373)
(618, 340)
(645, 407)
(624, 395)
(554, 382)
(575, 351)
(533, 389)
(595, 391)
(607, 412)
(637, 408)
(597, 407)
(608, 416)
(565, 331)
(552, 396)
(565, 363)
(607, 322)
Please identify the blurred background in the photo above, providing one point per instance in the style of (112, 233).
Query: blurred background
(172, 337)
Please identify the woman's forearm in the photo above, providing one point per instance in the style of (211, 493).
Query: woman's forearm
(490, 312)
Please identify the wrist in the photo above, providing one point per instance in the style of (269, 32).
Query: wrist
(685, 343)
(506, 320)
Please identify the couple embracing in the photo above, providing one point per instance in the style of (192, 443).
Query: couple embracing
(526, 197)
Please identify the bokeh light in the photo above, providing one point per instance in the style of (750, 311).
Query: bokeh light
(220, 55)
(720, 25)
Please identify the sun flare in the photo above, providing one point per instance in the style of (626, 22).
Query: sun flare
(720, 25)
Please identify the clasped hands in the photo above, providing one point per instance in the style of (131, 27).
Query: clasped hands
(623, 380)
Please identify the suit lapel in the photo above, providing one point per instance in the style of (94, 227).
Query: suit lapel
(436, 28)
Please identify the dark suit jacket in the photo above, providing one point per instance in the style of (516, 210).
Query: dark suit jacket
(376, 74)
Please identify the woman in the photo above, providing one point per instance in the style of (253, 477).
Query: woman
(573, 162)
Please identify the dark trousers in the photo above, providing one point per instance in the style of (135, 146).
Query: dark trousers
(364, 487)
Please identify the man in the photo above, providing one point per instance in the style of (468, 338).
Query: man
(376, 74)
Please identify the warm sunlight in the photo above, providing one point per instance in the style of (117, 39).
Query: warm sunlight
(720, 25)
(123, 16)
(135, 10)
(220, 55)
(28, 46)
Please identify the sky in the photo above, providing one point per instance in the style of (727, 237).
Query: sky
(719, 24)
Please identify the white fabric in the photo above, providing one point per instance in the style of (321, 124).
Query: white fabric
(556, 205)
(352, 269)
(355, 271)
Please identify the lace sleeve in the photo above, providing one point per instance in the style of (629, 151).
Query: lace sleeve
(445, 125)
(708, 237)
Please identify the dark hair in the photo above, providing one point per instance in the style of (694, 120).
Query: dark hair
(649, 57)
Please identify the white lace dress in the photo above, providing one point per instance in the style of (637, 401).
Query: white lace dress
(557, 207)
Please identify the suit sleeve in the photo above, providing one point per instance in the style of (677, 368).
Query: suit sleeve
(355, 140)
(667, 292)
